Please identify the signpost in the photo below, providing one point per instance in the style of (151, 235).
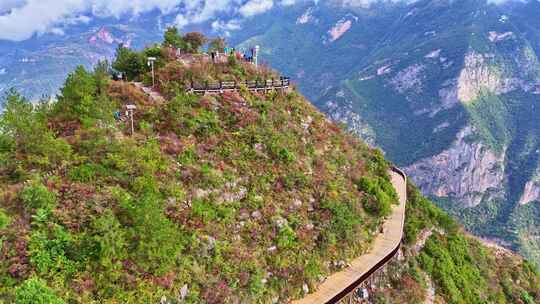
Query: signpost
(130, 109)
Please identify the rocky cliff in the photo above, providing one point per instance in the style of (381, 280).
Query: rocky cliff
(467, 172)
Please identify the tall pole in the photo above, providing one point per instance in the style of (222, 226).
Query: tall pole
(256, 55)
(151, 61)
(132, 128)
(153, 76)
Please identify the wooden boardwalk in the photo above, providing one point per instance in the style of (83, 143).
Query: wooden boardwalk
(385, 246)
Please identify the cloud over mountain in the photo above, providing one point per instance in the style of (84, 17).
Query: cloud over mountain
(21, 19)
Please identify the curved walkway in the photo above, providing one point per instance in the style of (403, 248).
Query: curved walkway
(384, 248)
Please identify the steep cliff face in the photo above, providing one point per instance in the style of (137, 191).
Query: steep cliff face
(531, 192)
(467, 172)
(478, 75)
(448, 89)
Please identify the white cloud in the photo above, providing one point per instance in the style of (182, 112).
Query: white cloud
(287, 2)
(21, 19)
(231, 25)
(255, 7)
(225, 27)
(197, 11)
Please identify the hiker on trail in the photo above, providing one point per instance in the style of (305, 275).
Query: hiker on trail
(213, 54)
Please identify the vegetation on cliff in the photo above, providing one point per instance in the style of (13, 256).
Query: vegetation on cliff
(458, 268)
(241, 197)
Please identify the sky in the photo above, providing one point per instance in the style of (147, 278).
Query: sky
(21, 19)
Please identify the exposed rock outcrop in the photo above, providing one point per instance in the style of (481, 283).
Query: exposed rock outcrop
(409, 78)
(531, 193)
(341, 27)
(467, 171)
(476, 76)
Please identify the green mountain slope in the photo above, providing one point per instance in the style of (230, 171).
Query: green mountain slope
(441, 264)
(214, 199)
(238, 197)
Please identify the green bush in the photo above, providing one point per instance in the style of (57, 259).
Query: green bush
(24, 130)
(35, 291)
(129, 62)
(345, 219)
(155, 241)
(49, 251)
(449, 261)
(286, 238)
(110, 238)
(37, 196)
(381, 195)
(77, 100)
(85, 173)
(172, 38)
(5, 220)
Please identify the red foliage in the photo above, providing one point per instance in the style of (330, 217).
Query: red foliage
(166, 281)
(170, 143)
(86, 284)
(217, 294)
(77, 205)
(17, 259)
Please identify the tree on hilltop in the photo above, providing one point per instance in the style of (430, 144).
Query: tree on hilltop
(217, 44)
(194, 41)
(172, 38)
(128, 62)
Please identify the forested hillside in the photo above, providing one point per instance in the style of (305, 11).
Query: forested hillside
(231, 198)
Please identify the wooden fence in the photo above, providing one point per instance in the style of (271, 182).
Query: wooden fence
(282, 83)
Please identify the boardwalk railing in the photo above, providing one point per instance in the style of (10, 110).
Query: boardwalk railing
(348, 293)
(282, 83)
(341, 286)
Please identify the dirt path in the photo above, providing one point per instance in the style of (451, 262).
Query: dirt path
(155, 96)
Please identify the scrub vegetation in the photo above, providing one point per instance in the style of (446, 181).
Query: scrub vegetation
(241, 197)
(459, 267)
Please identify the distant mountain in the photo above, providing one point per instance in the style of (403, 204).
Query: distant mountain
(448, 89)
(38, 66)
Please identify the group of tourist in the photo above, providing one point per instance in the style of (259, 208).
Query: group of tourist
(247, 56)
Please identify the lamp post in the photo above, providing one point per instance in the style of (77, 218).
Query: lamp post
(256, 55)
(150, 62)
(130, 109)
